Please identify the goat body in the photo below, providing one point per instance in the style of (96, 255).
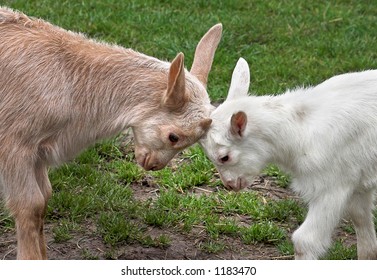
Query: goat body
(61, 92)
(324, 136)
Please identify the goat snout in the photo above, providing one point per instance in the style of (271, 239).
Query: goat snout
(235, 184)
(154, 167)
(149, 162)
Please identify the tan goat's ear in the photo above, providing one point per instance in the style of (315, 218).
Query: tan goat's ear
(238, 123)
(175, 96)
(205, 124)
(205, 52)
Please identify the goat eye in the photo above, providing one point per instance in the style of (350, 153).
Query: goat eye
(224, 159)
(173, 138)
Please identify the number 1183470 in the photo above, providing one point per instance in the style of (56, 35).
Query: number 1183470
(234, 270)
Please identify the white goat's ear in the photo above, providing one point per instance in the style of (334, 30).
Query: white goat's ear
(175, 96)
(238, 123)
(239, 86)
(205, 52)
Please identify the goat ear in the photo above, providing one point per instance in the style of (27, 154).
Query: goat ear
(205, 52)
(238, 123)
(239, 86)
(175, 96)
(205, 124)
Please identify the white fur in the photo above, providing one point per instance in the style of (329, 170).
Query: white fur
(324, 136)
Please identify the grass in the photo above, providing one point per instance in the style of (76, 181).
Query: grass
(287, 44)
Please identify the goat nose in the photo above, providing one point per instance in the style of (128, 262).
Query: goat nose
(229, 184)
(242, 183)
(154, 168)
(236, 185)
(148, 168)
(153, 165)
(158, 166)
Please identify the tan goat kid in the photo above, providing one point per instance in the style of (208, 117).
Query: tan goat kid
(60, 92)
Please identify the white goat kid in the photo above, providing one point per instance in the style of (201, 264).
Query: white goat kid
(324, 136)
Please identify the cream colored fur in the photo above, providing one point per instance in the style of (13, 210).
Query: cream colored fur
(60, 92)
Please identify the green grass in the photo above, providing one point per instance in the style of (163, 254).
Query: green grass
(212, 247)
(198, 172)
(287, 44)
(266, 232)
(339, 251)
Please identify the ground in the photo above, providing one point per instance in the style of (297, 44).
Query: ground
(181, 246)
